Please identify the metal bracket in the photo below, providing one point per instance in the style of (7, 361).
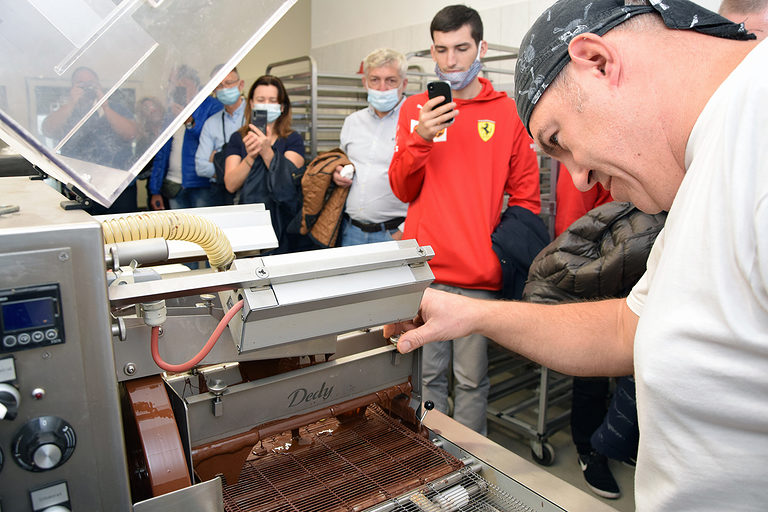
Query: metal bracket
(41, 174)
(80, 202)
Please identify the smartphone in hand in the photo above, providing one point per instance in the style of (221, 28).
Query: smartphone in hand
(440, 88)
(259, 120)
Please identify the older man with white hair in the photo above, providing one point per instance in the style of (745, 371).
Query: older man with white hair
(372, 212)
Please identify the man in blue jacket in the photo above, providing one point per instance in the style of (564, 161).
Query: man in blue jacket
(173, 172)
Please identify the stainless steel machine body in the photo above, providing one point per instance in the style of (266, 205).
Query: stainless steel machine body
(64, 442)
(70, 376)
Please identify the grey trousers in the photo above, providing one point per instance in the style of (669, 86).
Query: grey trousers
(470, 371)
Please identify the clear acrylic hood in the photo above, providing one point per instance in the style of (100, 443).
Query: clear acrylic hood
(91, 89)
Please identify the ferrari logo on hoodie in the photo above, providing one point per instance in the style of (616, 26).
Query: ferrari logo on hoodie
(486, 128)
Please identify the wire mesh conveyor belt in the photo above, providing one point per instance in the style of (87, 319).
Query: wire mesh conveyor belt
(370, 462)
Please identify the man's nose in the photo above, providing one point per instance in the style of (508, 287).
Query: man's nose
(451, 59)
(582, 177)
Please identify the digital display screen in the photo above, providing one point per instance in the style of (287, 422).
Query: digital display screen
(28, 314)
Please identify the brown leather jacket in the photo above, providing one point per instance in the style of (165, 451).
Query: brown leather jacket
(323, 203)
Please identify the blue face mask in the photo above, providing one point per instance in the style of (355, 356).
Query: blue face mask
(461, 79)
(273, 110)
(228, 96)
(383, 101)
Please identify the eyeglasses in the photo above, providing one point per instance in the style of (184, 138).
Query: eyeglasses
(227, 85)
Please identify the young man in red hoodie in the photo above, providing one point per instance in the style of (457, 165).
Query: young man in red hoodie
(453, 164)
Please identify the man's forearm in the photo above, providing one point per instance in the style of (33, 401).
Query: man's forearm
(53, 124)
(204, 168)
(406, 170)
(588, 338)
(126, 128)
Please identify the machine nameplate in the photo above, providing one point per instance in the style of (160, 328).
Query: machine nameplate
(296, 392)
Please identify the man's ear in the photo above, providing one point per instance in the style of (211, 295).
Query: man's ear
(432, 52)
(483, 48)
(594, 55)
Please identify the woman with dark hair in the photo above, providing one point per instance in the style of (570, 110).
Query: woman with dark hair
(265, 165)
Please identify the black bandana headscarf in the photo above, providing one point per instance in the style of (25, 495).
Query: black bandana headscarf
(544, 50)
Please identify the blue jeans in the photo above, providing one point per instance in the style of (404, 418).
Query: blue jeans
(470, 371)
(353, 235)
(196, 198)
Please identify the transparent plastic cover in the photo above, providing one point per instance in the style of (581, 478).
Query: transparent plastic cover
(91, 89)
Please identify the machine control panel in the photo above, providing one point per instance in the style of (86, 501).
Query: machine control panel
(30, 317)
(44, 443)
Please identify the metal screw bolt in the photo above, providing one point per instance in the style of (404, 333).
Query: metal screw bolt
(262, 272)
(63, 256)
(420, 251)
(129, 369)
(160, 331)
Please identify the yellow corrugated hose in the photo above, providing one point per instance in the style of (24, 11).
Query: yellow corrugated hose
(172, 225)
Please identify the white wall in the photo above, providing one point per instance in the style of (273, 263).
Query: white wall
(363, 17)
(344, 31)
(289, 38)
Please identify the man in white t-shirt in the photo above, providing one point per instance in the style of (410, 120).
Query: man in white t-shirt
(665, 105)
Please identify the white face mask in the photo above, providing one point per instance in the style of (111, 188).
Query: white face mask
(273, 110)
(384, 101)
(461, 79)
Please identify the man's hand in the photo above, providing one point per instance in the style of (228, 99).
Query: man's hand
(442, 316)
(340, 180)
(432, 122)
(156, 202)
(75, 93)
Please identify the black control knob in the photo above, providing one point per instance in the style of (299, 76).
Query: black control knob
(428, 406)
(9, 401)
(44, 443)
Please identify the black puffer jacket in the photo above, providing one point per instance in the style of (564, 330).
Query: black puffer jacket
(601, 255)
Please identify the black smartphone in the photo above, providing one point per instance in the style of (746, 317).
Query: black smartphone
(440, 88)
(180, 95)
(259, 120)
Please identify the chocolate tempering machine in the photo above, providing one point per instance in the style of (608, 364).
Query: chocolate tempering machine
(111, 399)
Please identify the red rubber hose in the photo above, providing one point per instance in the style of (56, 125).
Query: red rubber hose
(203, 352)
